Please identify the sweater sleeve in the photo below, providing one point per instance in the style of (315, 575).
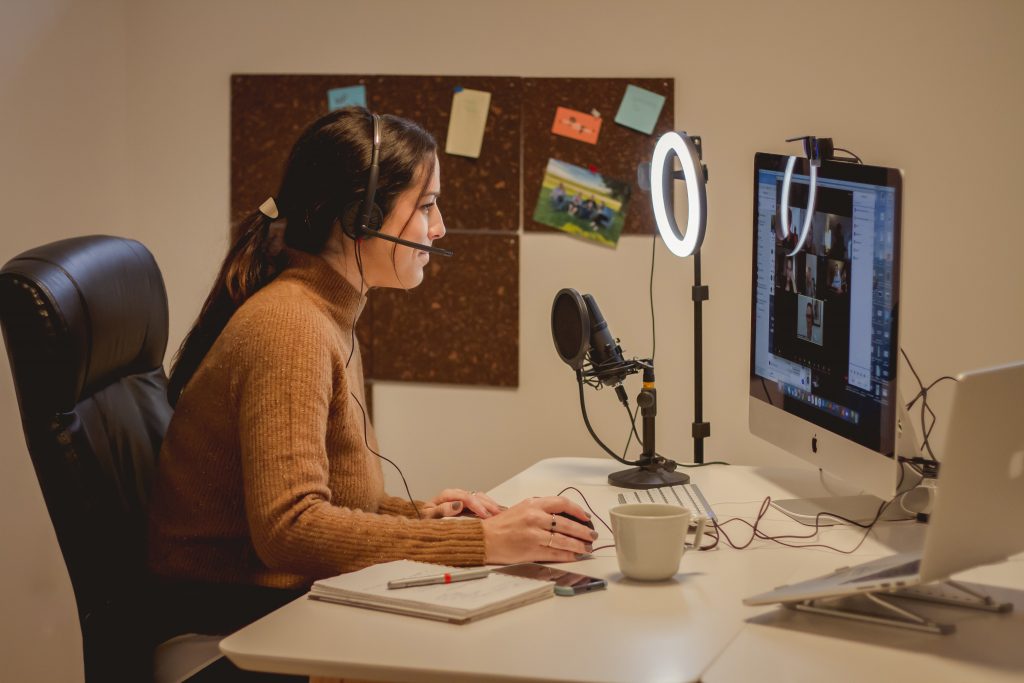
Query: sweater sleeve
(393, 505)
(287, 374)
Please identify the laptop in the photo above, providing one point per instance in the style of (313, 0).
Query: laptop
(978, 515)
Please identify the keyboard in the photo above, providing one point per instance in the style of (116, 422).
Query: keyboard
(687, 495)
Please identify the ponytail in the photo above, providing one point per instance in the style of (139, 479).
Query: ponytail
(252, 262)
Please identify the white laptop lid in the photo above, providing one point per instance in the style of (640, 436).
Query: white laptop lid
(979, 506)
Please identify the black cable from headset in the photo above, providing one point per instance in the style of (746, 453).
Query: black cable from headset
(355, 314)
(367, 442)
(352, 350)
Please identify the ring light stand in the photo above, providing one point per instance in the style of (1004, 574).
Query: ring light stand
(685, 243)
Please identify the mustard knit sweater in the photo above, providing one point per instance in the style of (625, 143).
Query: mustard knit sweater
(264, 476)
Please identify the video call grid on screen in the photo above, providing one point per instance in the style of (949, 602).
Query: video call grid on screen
(824, 320)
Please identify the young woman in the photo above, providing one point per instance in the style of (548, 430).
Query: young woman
(268, 476)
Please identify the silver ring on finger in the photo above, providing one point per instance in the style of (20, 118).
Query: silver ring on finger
(553, 523)
(551, 539)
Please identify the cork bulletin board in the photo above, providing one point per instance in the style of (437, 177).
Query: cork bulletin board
(618, 151)
(269, 112)
(461, 325)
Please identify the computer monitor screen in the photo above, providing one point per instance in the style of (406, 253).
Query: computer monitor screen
(824, 339)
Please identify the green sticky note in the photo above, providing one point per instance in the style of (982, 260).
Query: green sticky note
(640, 109)
(339, 98)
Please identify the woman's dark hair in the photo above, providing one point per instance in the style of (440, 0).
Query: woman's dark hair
(325, 173)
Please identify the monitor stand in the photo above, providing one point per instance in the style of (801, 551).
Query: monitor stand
(864, 507)
(861, 509)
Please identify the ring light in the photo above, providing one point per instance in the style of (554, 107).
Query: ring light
(787, 180)
(679, 243)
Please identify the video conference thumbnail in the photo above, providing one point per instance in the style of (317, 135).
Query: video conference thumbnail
(812, 286)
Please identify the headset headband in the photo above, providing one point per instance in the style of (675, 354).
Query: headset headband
(371, 182)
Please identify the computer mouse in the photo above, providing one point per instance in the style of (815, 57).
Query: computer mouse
(584, 522)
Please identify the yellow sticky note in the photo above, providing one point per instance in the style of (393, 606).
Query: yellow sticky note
(466, 127)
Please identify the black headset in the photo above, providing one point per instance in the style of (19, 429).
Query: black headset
(362, 220)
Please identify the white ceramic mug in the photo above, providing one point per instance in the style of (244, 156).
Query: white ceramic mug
(650, 539)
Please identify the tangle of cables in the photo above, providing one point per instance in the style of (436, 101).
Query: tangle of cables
(720, 535)
(922, 396)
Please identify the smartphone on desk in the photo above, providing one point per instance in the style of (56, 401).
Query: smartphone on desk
(566, 582)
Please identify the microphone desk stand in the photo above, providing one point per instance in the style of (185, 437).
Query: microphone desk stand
(653, 470)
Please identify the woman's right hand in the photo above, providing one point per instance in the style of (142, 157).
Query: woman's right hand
(532, 531)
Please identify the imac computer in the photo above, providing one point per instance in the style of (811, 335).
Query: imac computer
(824, 327)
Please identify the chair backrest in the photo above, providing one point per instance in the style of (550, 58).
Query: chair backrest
(85, 324)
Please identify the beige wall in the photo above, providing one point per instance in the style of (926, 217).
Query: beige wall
(138, 99)
(63, 171)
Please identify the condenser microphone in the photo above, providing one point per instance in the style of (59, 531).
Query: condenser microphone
(605, 353)
(406, 243)
(581, 334)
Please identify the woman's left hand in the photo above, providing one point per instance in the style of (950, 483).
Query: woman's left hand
(452, 502)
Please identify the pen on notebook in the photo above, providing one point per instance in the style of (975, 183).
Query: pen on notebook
(447, 577)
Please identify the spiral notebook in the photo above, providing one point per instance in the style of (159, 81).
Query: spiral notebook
(457, 602)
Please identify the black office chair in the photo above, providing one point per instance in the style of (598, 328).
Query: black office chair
(85, 323)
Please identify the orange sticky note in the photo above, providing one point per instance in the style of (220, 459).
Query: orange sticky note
(576, 125)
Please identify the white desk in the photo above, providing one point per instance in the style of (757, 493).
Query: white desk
(693, 627)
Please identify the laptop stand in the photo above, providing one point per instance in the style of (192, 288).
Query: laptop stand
(904, 618)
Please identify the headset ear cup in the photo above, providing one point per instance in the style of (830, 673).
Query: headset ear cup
(376, 218)
(350, 219)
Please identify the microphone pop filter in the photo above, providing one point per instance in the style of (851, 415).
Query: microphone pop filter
(570, 327)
